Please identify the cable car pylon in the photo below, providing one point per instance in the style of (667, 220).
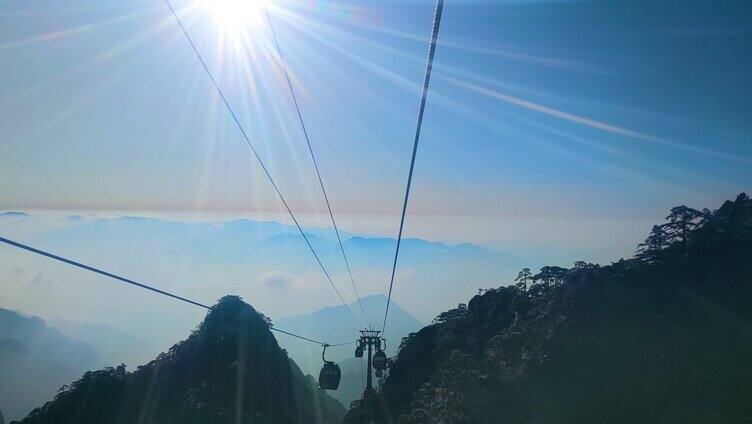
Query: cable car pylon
(371, 339)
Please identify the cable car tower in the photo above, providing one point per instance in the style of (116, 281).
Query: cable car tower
(371, 339)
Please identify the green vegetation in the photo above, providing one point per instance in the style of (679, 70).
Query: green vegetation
(665, 337)
(230, 370)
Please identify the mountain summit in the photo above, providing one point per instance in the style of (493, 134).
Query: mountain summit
(229, 370)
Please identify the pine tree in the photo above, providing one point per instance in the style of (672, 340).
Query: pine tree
(650, 250)
(523, 278)
(551, 275)
(681, 221)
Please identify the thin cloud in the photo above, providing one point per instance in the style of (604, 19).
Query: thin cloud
(277, 279)
(591, 122)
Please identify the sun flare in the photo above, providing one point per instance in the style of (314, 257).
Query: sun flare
(235, 16)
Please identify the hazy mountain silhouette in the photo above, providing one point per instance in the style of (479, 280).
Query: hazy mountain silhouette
(14, 214)
(353, 382)
(208, 238)
(663, 338)
(229, 370)
(238, 238)
(135, 243)
(334, 325)
(111, 344)
(35, 360)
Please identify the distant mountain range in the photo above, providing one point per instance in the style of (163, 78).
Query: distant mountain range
(113, 345)
(243, 237)
(13, 214)
(35, 360)
(38, 357)
(261, 247)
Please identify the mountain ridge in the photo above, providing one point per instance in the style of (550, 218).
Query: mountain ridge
(230, 369)
(160, 249)
(664, 337)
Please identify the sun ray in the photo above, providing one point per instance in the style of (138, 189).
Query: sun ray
(614, 129)
(150, 33)
(69, 32)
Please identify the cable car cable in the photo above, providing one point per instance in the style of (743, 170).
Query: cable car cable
(283, 63)
(421, 110)
(271, 327)
(144, 286)
(99, 271)
(256, 154)
(343, 344)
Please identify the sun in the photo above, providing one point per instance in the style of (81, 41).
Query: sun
(235, 16)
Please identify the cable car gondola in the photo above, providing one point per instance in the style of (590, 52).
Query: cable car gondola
(359, 350)
(379, 360)
(330, 373)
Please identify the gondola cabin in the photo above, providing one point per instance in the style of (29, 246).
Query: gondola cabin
(330, 373)
(379, 360)
(329, 376)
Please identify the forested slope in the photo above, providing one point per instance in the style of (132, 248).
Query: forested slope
(230, 370)
(663, 338)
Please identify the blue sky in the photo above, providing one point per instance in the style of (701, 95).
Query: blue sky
(554, 131)
(568, 125)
